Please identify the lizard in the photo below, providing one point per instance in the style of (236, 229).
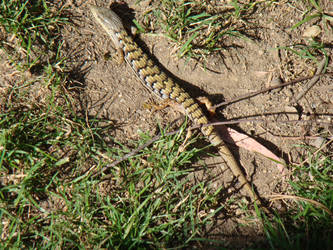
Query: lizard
(162, 85)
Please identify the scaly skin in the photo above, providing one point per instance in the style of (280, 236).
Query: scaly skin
(163, 86)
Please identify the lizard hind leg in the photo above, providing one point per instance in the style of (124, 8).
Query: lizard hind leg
(209, 106)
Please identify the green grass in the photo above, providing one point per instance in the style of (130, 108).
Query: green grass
(31, 23)
(50, 194)
(306, 225)
(195, 27)
(150, 203)
(314, 12)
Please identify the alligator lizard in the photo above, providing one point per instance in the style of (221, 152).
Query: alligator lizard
(165, 87)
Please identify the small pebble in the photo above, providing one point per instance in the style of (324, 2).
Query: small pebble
(312, 31)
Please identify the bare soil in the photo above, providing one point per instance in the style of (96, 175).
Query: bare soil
(106, 89)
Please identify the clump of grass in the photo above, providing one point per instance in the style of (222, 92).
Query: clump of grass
(309, 52)
(31, 21)
(157, 205)
(35, 25)
(314, 12)
(313, 181)
(150, 201)
(197, 28)
(308, 224)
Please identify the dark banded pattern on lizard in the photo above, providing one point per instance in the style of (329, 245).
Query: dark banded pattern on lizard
(164, 87)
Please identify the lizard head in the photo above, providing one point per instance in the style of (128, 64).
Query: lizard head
(110, 22)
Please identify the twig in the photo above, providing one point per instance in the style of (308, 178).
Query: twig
(265, 121)
(306, 137)
(246, 96)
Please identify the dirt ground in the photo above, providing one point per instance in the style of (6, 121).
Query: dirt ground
(108, 89)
